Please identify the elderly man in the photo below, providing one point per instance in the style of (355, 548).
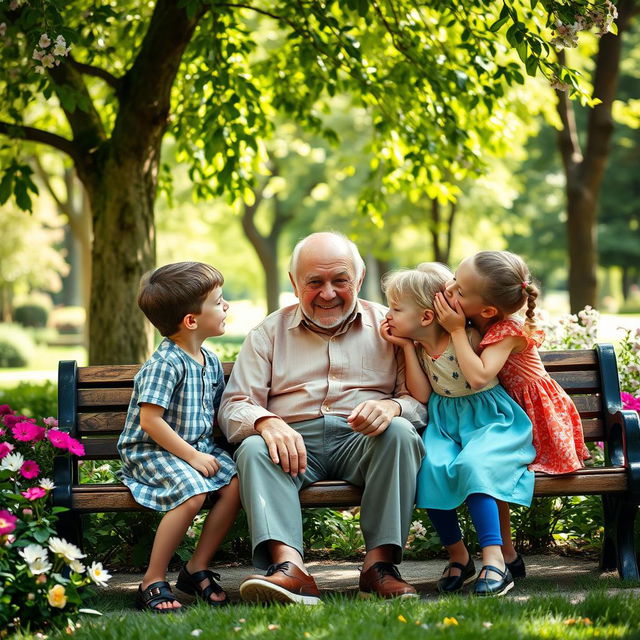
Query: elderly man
(317, 394)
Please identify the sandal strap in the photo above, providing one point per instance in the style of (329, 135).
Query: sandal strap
(453, 565)
(156, 593)
(205, 574)
(490, 567)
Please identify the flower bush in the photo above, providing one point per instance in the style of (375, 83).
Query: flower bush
(43, 577)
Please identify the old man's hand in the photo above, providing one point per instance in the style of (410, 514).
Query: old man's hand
(372, 417)
(286, 446)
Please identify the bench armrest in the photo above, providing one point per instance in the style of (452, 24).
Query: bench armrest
(622, 446)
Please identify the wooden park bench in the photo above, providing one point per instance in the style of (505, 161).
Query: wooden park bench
(92, 405)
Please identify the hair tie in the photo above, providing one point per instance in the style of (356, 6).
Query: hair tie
(524, 285)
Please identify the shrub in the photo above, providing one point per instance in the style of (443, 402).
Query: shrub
(44, 582)
(31, 315)
(68, 320)
(32, 399)
(16, 346)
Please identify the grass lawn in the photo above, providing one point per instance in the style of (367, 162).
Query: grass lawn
(601, 614)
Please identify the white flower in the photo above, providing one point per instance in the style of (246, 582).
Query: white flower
(33, 552)
(47, 60)
(77, 566)
(98, 574)
(44, 41)
(60, 47)
(47, 484)
(196, 632)
(191, 532)
(3, 29)
(12, 462)
(40, 565)
(65, 549)
(39, 69)
(38, 54)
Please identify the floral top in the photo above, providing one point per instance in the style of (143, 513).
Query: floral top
(557, 428)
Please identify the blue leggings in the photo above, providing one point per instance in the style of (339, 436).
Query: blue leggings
(484, 513)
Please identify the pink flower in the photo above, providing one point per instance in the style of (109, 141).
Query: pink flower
(5, 409)
(630, 402)
(5, 449)
(75, 447)
(7, 522)
(10, 420)
(27, 431)
(59, 439)
(29, 469)
(51, 422)
(33, 493)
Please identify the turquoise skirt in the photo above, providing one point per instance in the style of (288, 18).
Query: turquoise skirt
(481, 443)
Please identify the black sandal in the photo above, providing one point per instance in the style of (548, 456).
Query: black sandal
(156, 593)
(190, 583)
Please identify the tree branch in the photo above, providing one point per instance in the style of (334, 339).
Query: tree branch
(97, 72)
(32, 134)
(568, 141)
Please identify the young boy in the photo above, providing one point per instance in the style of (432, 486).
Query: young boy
(170, 461)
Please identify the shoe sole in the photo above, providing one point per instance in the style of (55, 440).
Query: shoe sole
(496, 594)
(256, 590)
(365, 595)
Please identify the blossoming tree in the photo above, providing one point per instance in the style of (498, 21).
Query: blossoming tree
(103, 83)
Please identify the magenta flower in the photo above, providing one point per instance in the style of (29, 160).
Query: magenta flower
(75, 447)
(630, 402)
(5, 449)
(7, 522)
(33, 493)
(5, 409)
(10, 420)
(29, 469)
(27, 431)
(59, 439)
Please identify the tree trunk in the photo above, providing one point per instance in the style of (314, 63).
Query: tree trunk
(584, 173)
(123, 250)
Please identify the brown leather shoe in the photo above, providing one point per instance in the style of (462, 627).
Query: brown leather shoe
(383, 579)
(283, 582)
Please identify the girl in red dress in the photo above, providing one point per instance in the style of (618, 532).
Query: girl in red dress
(489, 289)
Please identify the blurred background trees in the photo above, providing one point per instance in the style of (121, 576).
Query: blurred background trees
(193, 130)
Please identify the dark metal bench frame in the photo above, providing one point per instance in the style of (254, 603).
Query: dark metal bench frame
(92, 402)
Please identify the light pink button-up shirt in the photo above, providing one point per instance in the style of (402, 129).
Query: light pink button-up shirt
(287, 369)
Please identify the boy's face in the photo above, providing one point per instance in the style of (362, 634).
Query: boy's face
(214, 312)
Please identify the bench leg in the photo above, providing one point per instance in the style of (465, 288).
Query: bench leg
(618, 548)
(70, 527)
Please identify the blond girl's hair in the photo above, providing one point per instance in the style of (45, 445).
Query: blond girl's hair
(420, 284)
(507, 283)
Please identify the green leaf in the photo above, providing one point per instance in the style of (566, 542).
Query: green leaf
(523, 50)
(532, 66)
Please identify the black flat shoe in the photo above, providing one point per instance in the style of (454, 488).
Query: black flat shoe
(452, 584)
(190, 583)
(488, 587)
(517, 568)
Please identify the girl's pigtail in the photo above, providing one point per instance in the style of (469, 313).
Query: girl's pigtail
(532, 295)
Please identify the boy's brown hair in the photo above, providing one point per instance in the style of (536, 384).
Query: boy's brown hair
(169, 293)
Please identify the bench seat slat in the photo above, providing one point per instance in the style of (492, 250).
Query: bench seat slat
(336, 494)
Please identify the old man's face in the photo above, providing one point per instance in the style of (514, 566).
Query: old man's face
(326, 282)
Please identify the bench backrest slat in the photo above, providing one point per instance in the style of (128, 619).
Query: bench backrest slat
(104, 392)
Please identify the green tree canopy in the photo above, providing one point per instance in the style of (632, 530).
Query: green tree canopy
(103, 83)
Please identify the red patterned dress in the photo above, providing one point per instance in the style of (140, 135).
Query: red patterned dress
(557, 431)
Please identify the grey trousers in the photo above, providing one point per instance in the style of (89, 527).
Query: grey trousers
(386, 467)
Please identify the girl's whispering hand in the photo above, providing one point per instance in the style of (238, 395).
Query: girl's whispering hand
(450, 317)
